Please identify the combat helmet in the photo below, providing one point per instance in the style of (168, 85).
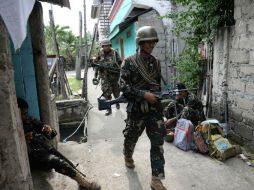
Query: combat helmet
(105, 42)
(146, 33)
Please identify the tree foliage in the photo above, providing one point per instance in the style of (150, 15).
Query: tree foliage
(66, 40)
(196, 21)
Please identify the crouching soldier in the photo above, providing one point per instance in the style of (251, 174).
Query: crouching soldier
(42, 154)
(186, 106)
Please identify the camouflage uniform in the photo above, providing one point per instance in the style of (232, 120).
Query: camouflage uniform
(40, 151)
(134, 86)
(190, 108)
(109, 80)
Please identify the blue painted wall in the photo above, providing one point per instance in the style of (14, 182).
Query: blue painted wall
(24, 75)
(119, 17)
(129, 40)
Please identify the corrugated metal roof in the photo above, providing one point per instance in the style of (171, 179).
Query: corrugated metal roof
(62, 3)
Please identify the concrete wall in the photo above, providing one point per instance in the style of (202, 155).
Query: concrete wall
(234, 65)
(163, 49)
(71, 110)
(14, 165)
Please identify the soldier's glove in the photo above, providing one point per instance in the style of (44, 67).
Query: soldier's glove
(95, 81)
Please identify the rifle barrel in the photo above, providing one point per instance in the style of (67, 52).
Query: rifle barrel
(109, 68)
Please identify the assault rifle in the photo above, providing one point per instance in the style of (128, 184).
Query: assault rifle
(108, 68)
(104, 104)
(40, 140)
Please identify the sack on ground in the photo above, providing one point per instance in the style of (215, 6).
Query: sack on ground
(200, 143)
(219, 147)
(183, 136)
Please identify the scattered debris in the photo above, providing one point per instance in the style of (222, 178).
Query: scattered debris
(246, 160)
(116, 175)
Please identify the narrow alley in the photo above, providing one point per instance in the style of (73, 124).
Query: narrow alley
(101, 158)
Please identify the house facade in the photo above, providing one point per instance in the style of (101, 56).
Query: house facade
(127, 16)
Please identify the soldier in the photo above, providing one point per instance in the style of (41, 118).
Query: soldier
(140, 77)
(42, 154)
(107, 56)
(186, 106)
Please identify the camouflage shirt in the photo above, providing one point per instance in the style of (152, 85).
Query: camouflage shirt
(133, 84)
(190, 108)
(111, 59)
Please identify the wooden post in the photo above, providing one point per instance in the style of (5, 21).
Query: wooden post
(40, 63)
(78, 62)
(84, 89)
(95, 32)
(14, 165)
(59, 67)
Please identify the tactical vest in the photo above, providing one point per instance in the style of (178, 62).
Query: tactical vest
(144, 75)
(108, 58)
(145, 72)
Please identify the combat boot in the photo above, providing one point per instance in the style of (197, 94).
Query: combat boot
(109, 112)
(129, 162)
(86, 182)
(156, 184)
(118, 106)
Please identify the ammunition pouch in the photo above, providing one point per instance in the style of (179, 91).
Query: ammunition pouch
(144, 107)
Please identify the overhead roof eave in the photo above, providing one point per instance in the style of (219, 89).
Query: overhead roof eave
(120, 27)
(62, 3)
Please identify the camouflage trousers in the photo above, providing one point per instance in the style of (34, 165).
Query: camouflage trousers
(110, 87)
(155, 130)
(44, 159)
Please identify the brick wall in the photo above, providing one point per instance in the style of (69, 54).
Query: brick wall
(234, 65)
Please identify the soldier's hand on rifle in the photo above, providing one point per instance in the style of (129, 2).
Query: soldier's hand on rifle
(29, 136)
(150, 97)
(47, 129)
(170, 122)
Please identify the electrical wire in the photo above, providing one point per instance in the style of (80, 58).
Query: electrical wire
(85, 127)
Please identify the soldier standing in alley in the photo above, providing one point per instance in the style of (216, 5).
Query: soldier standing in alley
(140, 77)
(108, 57)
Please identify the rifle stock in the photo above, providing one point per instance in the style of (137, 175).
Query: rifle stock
(104, 104)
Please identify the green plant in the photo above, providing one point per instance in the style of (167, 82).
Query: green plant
(197, 21)
(75, 84)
